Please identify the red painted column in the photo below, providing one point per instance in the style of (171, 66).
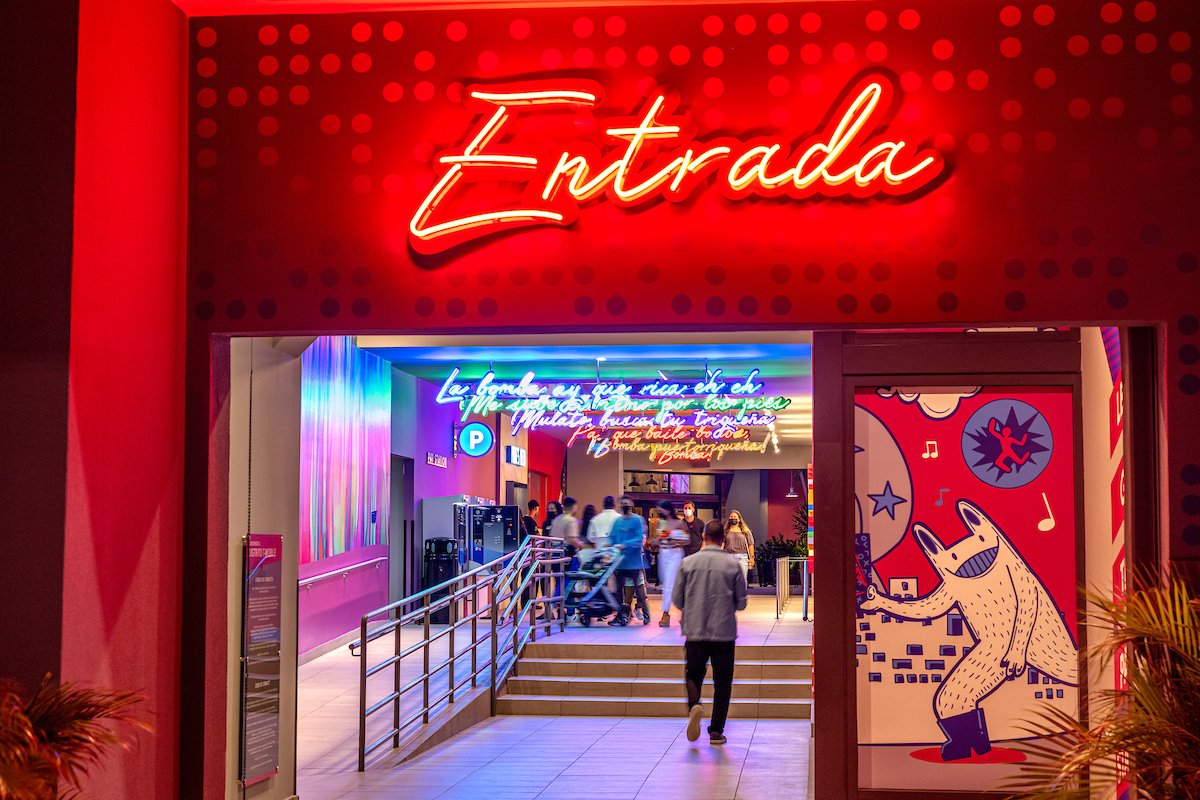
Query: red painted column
(121, 565)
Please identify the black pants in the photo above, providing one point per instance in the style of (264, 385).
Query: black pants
(698, 656)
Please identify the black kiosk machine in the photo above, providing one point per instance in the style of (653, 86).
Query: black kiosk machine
(485, 533)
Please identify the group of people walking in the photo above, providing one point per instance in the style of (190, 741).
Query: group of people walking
(702, 569)
(661, 542)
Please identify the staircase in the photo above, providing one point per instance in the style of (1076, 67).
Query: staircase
(559, 678)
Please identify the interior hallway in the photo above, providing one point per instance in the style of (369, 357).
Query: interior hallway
(506, 758)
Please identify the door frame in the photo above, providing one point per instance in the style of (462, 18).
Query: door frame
(842, 362)
(401, 487)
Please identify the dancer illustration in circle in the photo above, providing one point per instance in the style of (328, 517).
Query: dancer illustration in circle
(1007, 443)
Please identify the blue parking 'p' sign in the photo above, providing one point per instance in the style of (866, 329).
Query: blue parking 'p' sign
(476, 439)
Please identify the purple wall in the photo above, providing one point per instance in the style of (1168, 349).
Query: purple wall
(333, 605)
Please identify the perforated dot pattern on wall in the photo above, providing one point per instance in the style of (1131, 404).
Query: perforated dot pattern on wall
(1068, 132)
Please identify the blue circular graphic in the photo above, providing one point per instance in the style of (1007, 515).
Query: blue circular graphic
(1007, 443)
(476, 439)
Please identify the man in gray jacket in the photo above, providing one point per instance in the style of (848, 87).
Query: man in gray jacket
(710, 589)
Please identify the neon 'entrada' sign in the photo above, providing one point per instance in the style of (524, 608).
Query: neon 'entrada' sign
(654, 155)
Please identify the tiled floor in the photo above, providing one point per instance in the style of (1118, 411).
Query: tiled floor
(561, 758)
(507, 758)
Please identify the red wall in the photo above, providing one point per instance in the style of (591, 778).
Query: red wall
(779, 506)
(125, 451)
(1070, 198)
(547, 456)
(1068, 134)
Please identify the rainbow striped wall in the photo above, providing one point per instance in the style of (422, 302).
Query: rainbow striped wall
(345, 448)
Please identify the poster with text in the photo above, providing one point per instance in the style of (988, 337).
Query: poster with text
(261, 613)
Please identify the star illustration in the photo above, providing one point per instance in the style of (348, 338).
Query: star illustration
(887, 501)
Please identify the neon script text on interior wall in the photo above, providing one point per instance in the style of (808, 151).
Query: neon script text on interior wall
(649, 156)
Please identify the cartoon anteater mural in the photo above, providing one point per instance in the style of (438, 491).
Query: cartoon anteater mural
(1012, 616)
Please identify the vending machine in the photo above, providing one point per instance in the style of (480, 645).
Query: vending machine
(447, 517)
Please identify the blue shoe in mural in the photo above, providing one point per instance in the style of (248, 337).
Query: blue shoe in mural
(964, 733)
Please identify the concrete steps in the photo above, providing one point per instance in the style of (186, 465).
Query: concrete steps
(615, 680)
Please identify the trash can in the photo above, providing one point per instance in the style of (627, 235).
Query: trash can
(441, 564)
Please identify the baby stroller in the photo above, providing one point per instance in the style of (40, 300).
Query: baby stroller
(588, 596)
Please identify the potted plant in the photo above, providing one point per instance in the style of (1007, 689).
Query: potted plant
(764, 557)
(55, 736)
(776, 547)
(1146, 733)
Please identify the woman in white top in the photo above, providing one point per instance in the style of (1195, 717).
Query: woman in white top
(673, 537)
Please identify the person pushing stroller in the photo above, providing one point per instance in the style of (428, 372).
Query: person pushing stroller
(588, 596)
(629, 534)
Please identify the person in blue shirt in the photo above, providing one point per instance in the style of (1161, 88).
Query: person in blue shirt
(629, 533)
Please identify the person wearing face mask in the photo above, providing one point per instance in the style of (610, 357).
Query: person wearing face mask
(673, 537)
(694, 527)
(553, 509)
(739, 541)
(628, 532)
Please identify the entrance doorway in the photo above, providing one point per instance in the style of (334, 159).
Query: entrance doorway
(385, 461)
(929, 439)
(404, 564)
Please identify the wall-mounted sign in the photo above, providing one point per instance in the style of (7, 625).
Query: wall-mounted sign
(476, 439)
(262, 604)
(666, 420)
(654, 155)
(517, 456)
(436, 460)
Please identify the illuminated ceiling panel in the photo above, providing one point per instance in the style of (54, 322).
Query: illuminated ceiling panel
(783, 361)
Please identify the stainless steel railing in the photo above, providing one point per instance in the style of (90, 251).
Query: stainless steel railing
(783, 587)
(506, 593)
(324, 576)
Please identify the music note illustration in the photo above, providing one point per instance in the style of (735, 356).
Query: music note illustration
(931, 449)
(940, 501)
(1046, 524)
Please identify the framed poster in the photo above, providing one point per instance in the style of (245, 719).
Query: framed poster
(965, 545)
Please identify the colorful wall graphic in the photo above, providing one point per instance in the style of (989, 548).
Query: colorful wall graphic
(345, 448)
(965, 541)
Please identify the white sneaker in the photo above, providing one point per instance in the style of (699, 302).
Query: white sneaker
(693, 726)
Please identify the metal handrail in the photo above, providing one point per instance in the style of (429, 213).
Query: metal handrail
(506, 592)
(344, 571)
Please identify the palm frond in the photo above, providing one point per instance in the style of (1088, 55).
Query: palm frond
(57, 735)
(1147, 732)
(71, 723)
